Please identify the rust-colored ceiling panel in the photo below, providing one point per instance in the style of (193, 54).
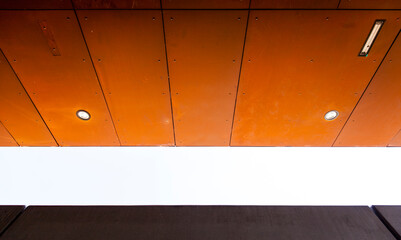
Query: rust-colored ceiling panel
(297, 66)
(35, 4)
(396, 141)
(18, 113)
(204, 51)
(116, 4)
(295, 4)
(6, 140)
(377, 117)
(58, 85)
(205, 4)
(133, 72)
(370, 4)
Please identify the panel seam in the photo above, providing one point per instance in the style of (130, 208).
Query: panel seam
(385, 223)
(239, 74)
(366, 88)
(12, 222)
(30, 99)
(168, 73)
(399, 131)
(10, 134)
(338, 5)
(97, 76)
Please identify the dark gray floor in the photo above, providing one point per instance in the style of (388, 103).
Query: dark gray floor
(197, 223)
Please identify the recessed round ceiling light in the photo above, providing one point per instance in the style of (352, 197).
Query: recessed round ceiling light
(83, 115)
(331, 115)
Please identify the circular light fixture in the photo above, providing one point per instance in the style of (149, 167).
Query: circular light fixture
(83, 115)
(331, 115)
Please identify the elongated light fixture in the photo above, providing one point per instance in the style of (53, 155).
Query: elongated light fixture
(371, 38)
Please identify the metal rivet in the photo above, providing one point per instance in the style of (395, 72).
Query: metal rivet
(86, 18)
(158, 60)
(83, 60)
(233, 61)
(14, 60)
(176, 93)
(311, 60)
(99, 60)
(68, 18)
(327, 18)
(171, 19)
(153, 18)
(256, 18)
(174, 60)
(239, 18)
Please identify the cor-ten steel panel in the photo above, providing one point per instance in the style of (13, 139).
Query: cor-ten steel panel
(18, 113)
(116, 4)
(370, 4)
(129, 53)
(294, 4)
(297, 66)
(205, 4)
(35, 4)
(59, 85)
(204, 51)
(6, 140)
(377, 117)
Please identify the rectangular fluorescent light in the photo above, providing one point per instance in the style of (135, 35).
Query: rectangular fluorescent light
(371, 38)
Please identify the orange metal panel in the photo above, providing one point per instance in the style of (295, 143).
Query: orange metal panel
(133, 72)
(370, 4)
(297, 66)
(205, 4)
(58, 85)
(377, 117)
(396, 141)
(5, 138)
(204, 51)
(35, 4)
(294, 4)
(116, 4)
(18, 113)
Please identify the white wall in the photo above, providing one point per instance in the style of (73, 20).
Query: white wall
(159, 176)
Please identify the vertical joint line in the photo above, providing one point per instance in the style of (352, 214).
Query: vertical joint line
(97, 77)
(338, 5)
(240, 70)
(168, 73)
(366, 88)
(30, 99)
